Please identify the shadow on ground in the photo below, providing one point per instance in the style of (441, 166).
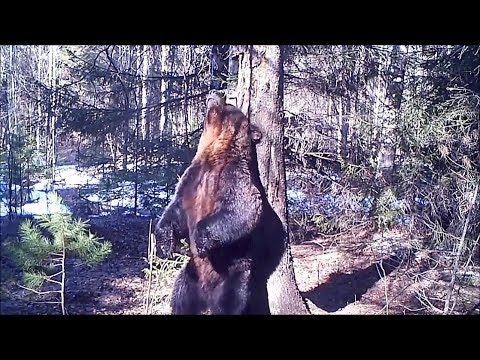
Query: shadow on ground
(342, 289)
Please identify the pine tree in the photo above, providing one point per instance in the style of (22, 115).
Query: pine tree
(45, 243)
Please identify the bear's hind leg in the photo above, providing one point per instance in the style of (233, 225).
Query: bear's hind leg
(186, 299)
(232, 297)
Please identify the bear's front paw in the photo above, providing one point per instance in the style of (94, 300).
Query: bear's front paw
(165, 242)
(201, 242)
(166, 249)
(202, 251)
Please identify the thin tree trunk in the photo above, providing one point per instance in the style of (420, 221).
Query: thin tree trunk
(330, 115)
(342, 127)
(62, 284)
(11, 101)
(10, 91)
(186, 61)
(139, 120)
(39, 103)
(126, 64)
(378, 94)
(144, 94)
(51, 119)
(164, 90)
(260, 97)
(393, 100)
(154, 95)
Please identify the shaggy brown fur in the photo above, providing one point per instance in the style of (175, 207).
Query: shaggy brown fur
(217, 206)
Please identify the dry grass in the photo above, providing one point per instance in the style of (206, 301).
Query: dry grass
(337, 275)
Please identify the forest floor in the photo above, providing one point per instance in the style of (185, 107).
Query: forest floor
(361, 273)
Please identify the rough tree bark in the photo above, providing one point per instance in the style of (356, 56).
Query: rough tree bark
(260, 96)
(51, 111)
(143, 89)
(166, 68)
(394, 84)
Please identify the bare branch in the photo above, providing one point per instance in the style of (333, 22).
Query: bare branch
(39, 292)
(446, 308)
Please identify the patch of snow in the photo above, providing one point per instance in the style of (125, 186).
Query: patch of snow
(128, 202)
(367, 203)
(93, 198)
(3, 209)
(398, 204)
(4, 187)
(44, 207)
(403, 220)
(68, 176)
(40, 201)
(421, 202)
(296, 195)
(298, 201)
(42, 185)
(162, 195)
(328, 203)
(42, 193)
(390, 245)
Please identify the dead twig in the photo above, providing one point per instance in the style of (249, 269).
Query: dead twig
(39, 292)
(62, 283)
(349, 230)
(423, 298)
(446, 308)
(384, 278)
(151, 255)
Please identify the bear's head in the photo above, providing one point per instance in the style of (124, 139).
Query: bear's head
(226, 129)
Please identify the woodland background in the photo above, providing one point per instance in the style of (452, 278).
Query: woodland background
(380, 142)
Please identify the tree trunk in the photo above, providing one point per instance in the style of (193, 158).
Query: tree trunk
(393, 100)
(165, 128)
(185, 84)
(140, 119)
(343, 127)
(154, 89)
(39, 98)
(144, 92)
(51, 111)
(9, 84)
(260, 97)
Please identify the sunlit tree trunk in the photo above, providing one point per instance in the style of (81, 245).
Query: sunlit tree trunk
(154, 95)
(51, 111)
(125, 62)
(164, 90)
(144, 93)
(260, 96)
(140, 99)
(393, 100)
(186, 88)
(342, 129)
(9, 90)
(39, 98)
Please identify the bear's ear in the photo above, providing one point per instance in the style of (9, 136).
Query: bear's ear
(255, 133)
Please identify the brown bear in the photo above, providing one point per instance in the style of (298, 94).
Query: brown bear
(219, 207)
